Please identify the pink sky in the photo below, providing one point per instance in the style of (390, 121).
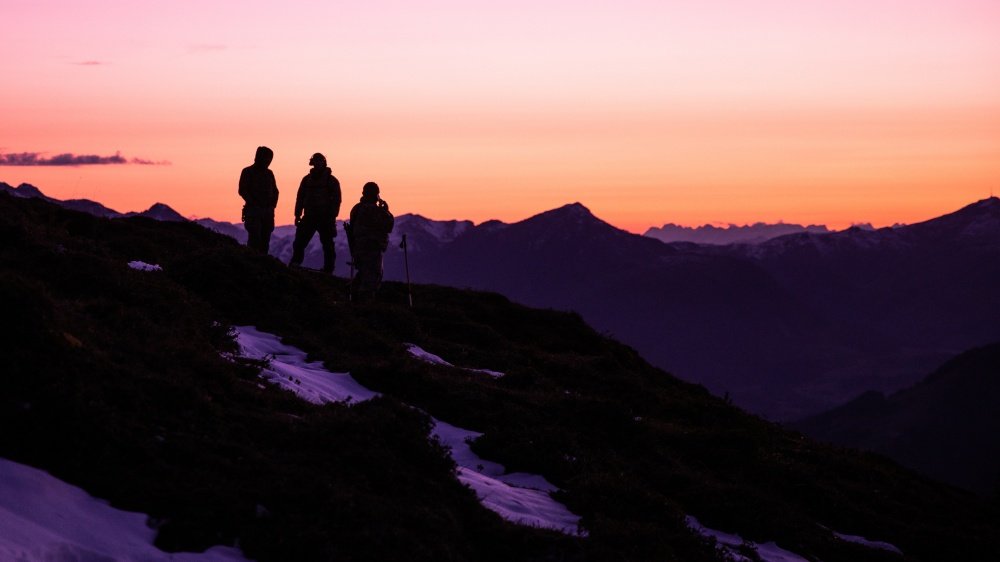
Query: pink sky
(646, 112)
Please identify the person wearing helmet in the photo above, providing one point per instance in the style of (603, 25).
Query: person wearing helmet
(316, 207)
(260, 194)
(371, 223)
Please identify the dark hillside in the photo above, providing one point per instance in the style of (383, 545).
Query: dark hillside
(716, 319)
(114, 381)
(946, 426)
(118, 385)
(790, 327)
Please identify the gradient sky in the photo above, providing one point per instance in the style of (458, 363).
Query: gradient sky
(701, 111)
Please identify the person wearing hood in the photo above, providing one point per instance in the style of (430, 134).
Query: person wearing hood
(371, 223)
(316, 207)
(260, 194)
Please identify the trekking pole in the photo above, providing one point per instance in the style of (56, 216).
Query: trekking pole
(350, 284)
(406, 262)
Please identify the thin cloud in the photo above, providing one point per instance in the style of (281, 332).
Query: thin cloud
(67, 159)
(144, 162)
(90, 63)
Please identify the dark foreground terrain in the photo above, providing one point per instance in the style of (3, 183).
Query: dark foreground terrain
(116, 380)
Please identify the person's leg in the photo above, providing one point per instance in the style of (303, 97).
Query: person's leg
(377, 271)
(303, 234)
(253, 226)
(361, 286)
(267, 227)
(326, 231)
(369, 277)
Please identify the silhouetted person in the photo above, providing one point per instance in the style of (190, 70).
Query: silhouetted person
(260, 192)
(371, 223)
(319, 200)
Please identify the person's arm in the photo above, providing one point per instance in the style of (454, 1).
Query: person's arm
(336, 197)
(298, 200)
(274, 189)
(388, 221)
(244, 190)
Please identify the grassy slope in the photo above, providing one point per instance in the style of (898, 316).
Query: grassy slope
(118, 386)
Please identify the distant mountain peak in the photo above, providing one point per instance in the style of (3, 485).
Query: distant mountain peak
(28, 190)
(576, 207)
(161, 212)
(159, 208)
(992, 202)
(574, 217)
(978, 220)
(25, 190)
(574, 211)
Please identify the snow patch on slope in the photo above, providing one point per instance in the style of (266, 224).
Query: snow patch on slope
(429, 357)
(143, 266)
(768, 552)
(45, 519)
(518, 497)
(426, 356)
(290, 369)
(878, 545)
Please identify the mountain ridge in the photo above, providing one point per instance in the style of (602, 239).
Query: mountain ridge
(575, 210)
(788, 327)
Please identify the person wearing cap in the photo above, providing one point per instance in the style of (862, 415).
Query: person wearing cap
(316, 207)
(260, 195)
(371, 223)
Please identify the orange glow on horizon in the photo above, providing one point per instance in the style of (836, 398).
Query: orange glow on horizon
(880, 111)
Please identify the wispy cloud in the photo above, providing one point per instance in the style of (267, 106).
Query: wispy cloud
(67, 159)
(89, 63)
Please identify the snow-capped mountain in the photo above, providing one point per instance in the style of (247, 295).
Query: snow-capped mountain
(422, 231)
(730, 234)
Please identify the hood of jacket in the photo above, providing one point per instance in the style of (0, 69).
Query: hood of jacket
(321, 172)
